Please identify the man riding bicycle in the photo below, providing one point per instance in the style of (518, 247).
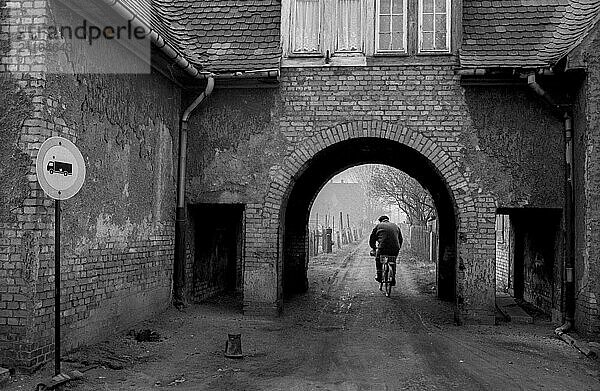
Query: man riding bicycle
(386, 239)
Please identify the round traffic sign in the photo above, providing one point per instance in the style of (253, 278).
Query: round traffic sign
(60, 168)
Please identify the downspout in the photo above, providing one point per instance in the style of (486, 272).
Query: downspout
(569, 259)
(180, 218)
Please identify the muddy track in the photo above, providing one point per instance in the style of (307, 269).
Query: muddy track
(422, 352)
(343, 334)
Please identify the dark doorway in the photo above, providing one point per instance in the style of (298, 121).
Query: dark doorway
(535, 250)
(217, 265)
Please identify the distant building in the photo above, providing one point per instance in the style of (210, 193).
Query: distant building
(347, 198)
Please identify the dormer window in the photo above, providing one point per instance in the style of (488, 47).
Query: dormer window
(349, 31)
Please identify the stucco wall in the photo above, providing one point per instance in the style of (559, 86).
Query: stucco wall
(515, 147)
(117, 233)
(233, 143)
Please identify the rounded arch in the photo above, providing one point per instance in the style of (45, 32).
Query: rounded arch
(297, 162)
(283, 216)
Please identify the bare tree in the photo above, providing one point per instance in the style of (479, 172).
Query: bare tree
(396, 187)
(373, 205)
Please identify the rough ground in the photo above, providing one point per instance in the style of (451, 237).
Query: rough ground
(344, 334)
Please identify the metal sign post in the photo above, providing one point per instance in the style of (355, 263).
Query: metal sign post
(56, 287)
(60, 171)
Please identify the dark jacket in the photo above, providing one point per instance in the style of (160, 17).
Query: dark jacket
(386, 237)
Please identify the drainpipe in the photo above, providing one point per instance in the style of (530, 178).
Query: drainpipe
(179, 262)
(569, 260)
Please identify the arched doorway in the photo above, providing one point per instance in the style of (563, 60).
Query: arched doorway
(336, 158)
(276, 239)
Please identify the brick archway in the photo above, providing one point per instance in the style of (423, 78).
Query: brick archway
(473, 214)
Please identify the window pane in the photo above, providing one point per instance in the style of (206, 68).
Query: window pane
(391, 27)
(306, 26)
(397, 43)
(440, 5)
(398, 7)
(384, 24)
(428, 22)
(427, 41)
(440, 23)
(428, 6)
(384, 6)
(384, 42)
(397, 21)
(349, 29)
(440, 40)
(434, 30)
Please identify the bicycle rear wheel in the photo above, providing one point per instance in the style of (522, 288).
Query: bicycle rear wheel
(385, 282)
(388, 281)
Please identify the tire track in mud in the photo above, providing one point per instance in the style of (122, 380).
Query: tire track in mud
(356, 307)
(365, 340)
(366, 326)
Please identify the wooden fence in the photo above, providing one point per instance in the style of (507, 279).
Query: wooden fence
(326, 240)
(420, 240)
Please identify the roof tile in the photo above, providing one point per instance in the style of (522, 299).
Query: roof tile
(524, 33)
(497, 33)
(195, 27)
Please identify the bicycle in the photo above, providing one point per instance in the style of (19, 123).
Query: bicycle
(388, 274)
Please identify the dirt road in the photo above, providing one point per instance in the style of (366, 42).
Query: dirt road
(344, 334)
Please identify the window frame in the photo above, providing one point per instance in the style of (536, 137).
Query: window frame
(448, 49)
(377, 15)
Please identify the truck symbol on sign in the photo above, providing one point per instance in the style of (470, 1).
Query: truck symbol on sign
(60, 168)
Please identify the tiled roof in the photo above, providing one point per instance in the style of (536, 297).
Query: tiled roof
(579, 18)
(524, 33)
(218, 35)
(243, 35)
(509, 33)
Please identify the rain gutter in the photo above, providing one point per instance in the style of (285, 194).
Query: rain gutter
(171, 52)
